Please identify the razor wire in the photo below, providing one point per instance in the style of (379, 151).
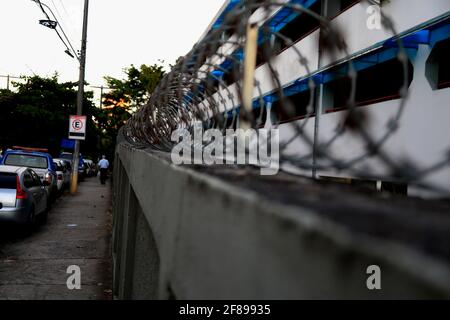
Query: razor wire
(199, 90)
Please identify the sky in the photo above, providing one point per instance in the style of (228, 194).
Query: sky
(120, 33)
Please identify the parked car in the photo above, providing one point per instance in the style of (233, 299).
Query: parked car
(91, 168)
(81, 166)
(37, 159)
(67, 171)
(68, 167)
(94, 169)
(23, 196)
(62, 174)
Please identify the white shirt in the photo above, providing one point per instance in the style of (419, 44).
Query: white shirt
(103, 164)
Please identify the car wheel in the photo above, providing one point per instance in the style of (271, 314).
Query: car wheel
(31, 222)
(53, 195)
(49, 204)
(43, 217)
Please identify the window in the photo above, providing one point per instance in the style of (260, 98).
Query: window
(28, 181)
(264, 52)
(22, 160)
(230, 77)
(8, 180)
(294, 107)
(297, 29)
(260, 116)
(301, 26)
(36, 180)
(381, 82)
(388, 187)
(336, 7)
(444, 65)
(211, 86)
(58, 166)
(395, 188)
(346, 4)
(67, 156)
(229, 122)
(364, 184)
(438, 65)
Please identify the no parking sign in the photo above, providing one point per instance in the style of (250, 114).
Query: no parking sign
(77, 127)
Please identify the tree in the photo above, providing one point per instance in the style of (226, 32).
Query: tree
(37, 114)
(127, 96)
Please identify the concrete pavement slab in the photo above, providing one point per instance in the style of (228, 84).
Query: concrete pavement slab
(78, 232)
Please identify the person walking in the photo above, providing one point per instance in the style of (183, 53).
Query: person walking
(103, 165)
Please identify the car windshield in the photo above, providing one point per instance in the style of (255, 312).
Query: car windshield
(7, 180)
(25, 160)
(67, 156)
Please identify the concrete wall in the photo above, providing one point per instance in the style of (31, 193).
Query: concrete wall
(182, 234)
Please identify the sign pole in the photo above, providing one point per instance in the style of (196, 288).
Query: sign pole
(76, 153)
(248, 84)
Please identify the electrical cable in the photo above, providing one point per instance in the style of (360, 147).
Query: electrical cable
(68, 46)
(64, 7)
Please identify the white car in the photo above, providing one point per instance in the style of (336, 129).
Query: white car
(91, 170)
(63, 175)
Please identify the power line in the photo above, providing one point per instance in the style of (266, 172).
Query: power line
(58, 13)
(60, 27)
(8, 80)
(60, 23)
(68, 46)
(10, 77)
(48, 18)
(32, 71)
(64, 7)
(56, 9)
(42, 8)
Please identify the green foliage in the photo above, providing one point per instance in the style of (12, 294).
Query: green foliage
(127, 96)
(37, 114)
(136, 89)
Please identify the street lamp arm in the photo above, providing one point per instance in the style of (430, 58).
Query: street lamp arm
(42, 5)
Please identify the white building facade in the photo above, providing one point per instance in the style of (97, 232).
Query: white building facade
(413, 131)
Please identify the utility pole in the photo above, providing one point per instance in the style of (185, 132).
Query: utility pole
(8, 80)
(102, 88)
(101, 97)
(76, 154)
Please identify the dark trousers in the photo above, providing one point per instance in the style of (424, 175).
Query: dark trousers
(103, 175)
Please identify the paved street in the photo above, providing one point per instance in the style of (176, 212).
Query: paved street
(77, 233)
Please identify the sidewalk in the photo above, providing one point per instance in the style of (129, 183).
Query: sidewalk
(78, 233)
